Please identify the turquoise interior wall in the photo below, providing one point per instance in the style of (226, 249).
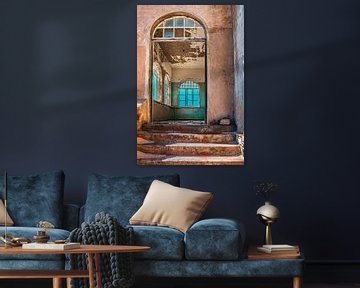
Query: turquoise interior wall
(162, 111)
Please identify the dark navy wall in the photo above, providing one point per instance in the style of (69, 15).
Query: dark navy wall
(68, 101)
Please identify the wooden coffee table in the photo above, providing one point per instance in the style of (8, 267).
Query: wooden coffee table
(57, 275)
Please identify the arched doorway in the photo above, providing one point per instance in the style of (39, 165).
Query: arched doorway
(178, 91)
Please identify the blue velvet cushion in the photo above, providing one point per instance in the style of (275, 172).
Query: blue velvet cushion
(119, 196)
(214, 239)
(166, 243)
(29, 232)
(35, 198)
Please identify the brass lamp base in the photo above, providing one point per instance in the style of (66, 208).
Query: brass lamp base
(268, 238)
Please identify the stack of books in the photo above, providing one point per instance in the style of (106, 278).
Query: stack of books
(279, 249)
(51, 246)
(273, 252)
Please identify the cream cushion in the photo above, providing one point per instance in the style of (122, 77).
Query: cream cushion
(170, 206)
(9, 221)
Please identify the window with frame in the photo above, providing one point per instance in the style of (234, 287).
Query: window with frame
(179, 27)
(155, 83)
(167, 90)
(189, 94)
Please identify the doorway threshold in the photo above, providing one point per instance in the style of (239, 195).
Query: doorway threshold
(181, 122)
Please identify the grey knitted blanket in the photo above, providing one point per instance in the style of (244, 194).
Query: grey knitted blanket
(116, 268)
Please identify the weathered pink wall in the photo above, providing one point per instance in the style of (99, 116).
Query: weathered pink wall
(238, 12)
(220, 52)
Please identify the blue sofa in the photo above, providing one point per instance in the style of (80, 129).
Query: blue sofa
(210, 248)
(32, 199)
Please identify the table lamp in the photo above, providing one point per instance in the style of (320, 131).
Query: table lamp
(268, 214)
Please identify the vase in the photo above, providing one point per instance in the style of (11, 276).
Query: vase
(41, 237)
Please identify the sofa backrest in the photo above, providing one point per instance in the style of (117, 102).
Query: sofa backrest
(119, 196)
(70, 219)
(35, 198)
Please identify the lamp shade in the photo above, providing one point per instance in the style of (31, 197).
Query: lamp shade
(269, 211)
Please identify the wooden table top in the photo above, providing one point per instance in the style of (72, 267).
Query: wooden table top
(254, 254)
(91, 249)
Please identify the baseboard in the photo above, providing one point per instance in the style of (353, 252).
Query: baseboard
(332, 271)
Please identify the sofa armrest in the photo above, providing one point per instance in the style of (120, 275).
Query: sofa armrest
(81, 214)
(71, 216)
(215, 239)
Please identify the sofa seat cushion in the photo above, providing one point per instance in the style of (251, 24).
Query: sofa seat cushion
(120, 196)
(166, 243)
(214, 239)
(35, 198)
(29, 232)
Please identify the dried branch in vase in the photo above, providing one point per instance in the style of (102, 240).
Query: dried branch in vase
(264, 189)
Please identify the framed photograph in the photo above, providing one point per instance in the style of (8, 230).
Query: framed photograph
(190, 84)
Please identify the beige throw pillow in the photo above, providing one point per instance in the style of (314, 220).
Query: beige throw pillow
(170, 206)
(9, 221)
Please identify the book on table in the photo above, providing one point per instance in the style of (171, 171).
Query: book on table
(278, 249)
(51, 246)
(254, 253)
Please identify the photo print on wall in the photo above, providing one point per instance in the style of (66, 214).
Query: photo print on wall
(190, 84)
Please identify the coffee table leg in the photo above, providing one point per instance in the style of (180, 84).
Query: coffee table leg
(91, 270)
(57, 283)
(68, 282)
(98, 270)
(297, 282)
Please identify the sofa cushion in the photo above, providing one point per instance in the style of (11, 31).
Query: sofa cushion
(165, 243)
(214, 239)
(169, 206)
(119, 196)
(9, 221)
(35, 198)
(29, 232)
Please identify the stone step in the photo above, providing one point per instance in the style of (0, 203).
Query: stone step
(188, 128)
(155, 159)
(228, 137)
(190, 149)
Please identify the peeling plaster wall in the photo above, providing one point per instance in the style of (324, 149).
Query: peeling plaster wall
(180, 75)
(166, 66)
(238, 12)
(162, 60)
(220, 52)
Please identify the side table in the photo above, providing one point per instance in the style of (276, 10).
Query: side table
(288, 259)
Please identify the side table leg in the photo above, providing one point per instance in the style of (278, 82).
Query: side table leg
(297, 282)
(98, 270)
(91, 270)
(57, 283)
